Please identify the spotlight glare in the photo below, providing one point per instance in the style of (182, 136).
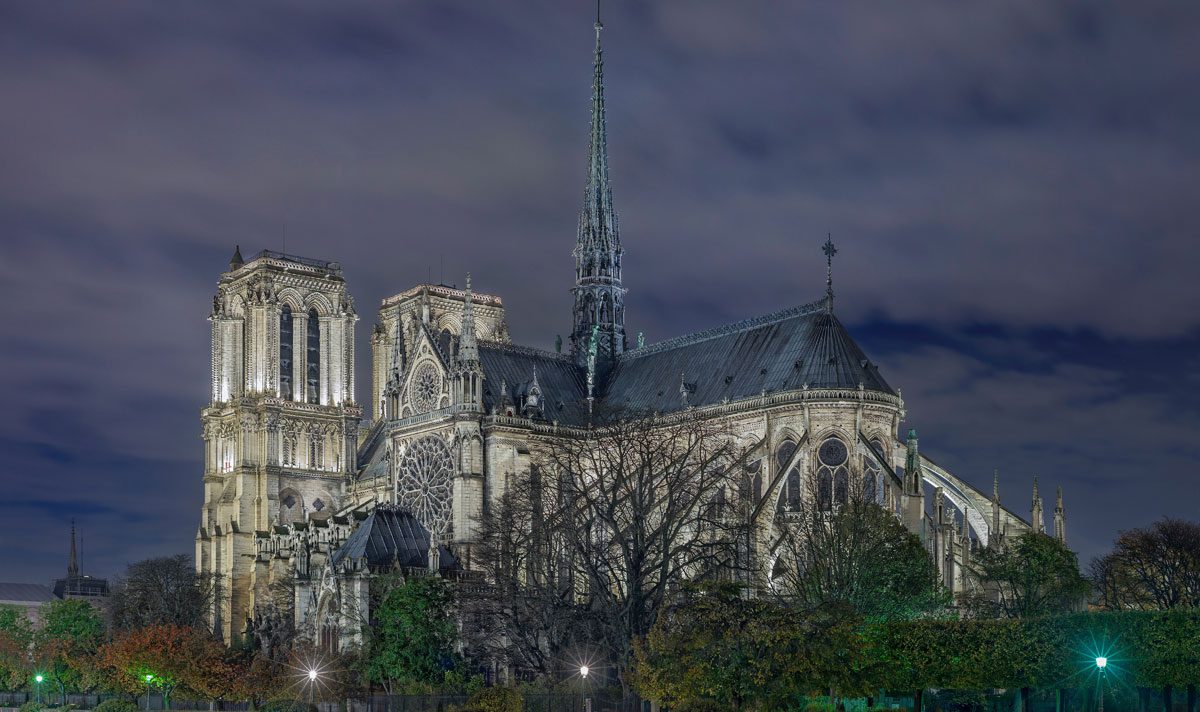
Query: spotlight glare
(1101, 662)
(312, 674)
(583, 671)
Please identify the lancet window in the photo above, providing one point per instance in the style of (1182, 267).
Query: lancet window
(285, 353)
(314, 357)
(833, 476)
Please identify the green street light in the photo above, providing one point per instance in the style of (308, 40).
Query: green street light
(38, 679)
(149, 677)
(1101, 662)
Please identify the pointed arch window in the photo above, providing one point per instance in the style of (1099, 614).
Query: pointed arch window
(285, 353)
(314, 357)
(833, 477)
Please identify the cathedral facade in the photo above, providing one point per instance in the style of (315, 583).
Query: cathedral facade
(304, 485)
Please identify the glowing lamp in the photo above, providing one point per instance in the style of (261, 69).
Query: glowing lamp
(312, 675)
(149, 678)
(38, 679)
(1101, 662)
(583, 671)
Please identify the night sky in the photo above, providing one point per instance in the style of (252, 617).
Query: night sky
(1013, 188)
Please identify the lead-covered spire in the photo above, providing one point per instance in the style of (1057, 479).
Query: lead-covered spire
(599, 297)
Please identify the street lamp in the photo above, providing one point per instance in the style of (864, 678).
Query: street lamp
(587, 701)
(312, 686)
(38, 679)
(149, 679)
(1102, 666)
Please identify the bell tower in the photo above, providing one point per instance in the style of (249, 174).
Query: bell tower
(281, 428)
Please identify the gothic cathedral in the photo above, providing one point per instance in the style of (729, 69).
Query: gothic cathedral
(302, 486)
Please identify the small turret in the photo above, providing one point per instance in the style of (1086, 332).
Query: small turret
(236, 261)
(995, 535)
(1035, 511)
(1060, 518)
(912, 499)
(468, 376)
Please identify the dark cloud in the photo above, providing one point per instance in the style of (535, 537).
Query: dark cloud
(1012, 185)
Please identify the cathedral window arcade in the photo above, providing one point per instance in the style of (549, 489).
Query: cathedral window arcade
(285, 353)
(314, 357)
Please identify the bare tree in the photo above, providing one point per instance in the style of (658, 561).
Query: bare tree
(161, 591)
(606, 525)
(1151, 569)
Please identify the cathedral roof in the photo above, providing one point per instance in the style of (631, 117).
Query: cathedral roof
(390, 535)
(560, 379)
(782, 351)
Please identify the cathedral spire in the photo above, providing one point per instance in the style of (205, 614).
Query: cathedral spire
(599, 297)
(73, 561)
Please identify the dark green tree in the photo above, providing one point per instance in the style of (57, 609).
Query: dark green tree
(15, 636)
(858, 555)
(412, 635)
(715, 645)
(65, 645)
(1035, 575)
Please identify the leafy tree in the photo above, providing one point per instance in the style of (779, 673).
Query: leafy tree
(163, 591)
(1156, 568)
(1035, 575)
(65, 645)
(172, 655)
(16, 634)
(412, 635)
(858, 555)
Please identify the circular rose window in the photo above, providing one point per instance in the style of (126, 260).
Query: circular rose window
(424, 483)
(423, 392)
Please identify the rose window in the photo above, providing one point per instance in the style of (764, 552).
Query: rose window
(423, 484)
(423, 392)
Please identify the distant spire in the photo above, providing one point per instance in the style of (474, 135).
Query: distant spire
(468, 351)
(73, 561)
(236, 261)
(829, 250)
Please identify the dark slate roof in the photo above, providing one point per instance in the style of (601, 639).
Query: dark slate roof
(390, 534)
(564, 389)
(25, 593)
(777, 352)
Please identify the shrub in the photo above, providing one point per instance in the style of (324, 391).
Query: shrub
(32, 706)
(287, 706)
(701, 705)
(116, 706)
(495, 699)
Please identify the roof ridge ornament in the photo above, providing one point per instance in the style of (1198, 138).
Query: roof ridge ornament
(830, 250)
